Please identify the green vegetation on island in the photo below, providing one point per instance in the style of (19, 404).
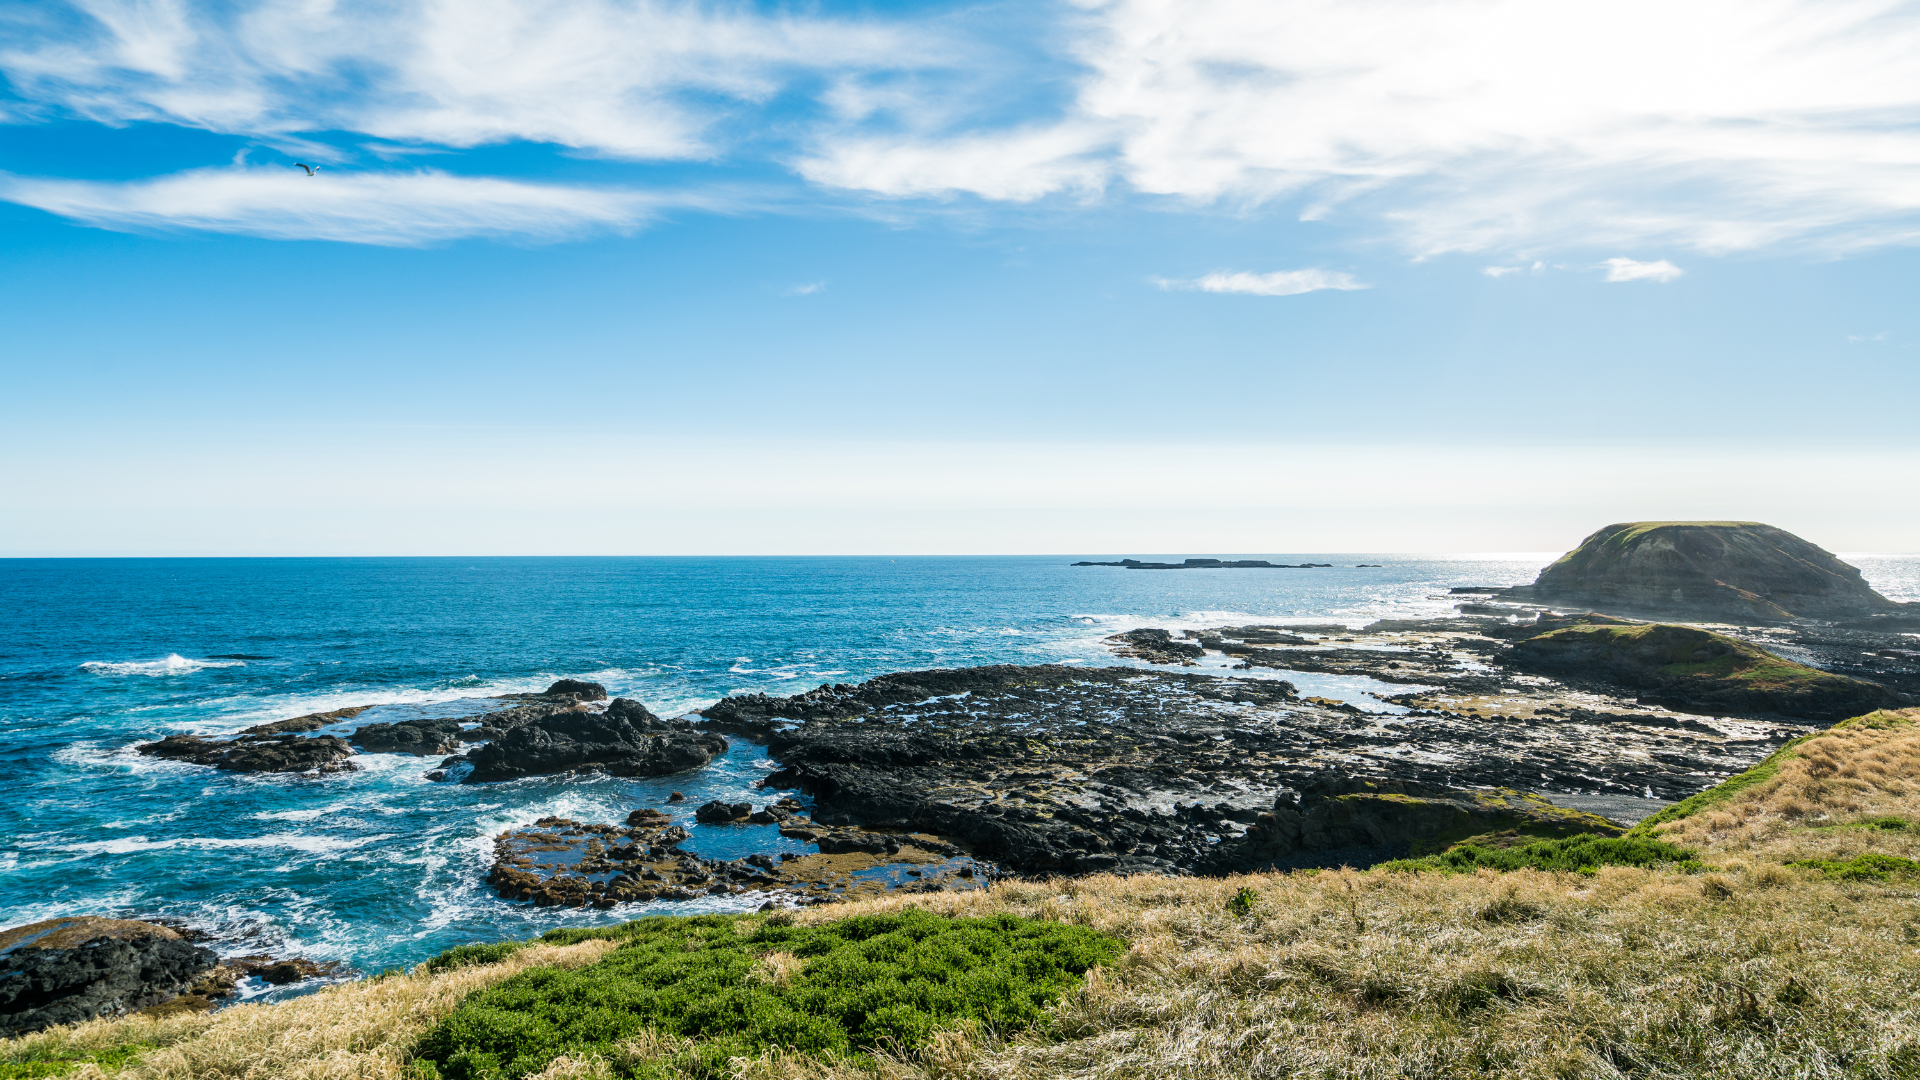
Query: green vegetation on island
(1696, 666)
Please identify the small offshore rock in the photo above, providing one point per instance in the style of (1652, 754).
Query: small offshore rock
(719, 813)
(577, 689)
(625, 740)
(256, 753)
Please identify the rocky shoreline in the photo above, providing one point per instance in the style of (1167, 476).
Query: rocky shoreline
(1486, 727)
(64, 971)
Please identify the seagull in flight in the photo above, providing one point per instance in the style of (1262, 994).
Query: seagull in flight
(311, 169)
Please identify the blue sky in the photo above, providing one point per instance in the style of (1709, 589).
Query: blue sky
(1126, 276)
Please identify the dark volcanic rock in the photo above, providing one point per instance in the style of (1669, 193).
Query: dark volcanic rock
(577, 690)
(310, 722)
(1055, 768)
(257, 753)
(421, 737)
(1688, 665)
(719, 813)
(1155, 646)
(1738, 570)
(625, 740)
(63, 971)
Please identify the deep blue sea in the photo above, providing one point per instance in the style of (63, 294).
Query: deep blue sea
(381, 867)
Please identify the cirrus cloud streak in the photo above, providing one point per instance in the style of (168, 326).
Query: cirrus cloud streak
(1276, 283)
(392, 209)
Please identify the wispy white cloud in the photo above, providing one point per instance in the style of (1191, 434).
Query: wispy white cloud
(1501, 271)
(808, 289)
(1862, 339)
(1623, 269)
(1014, 166)
(623, 79)
(397, 209)
(1475, 125)
(1277, 283)
(1447, 125)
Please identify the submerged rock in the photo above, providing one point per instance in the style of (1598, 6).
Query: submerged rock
(257, 753)
(309, 722)
(625, 740)
(1738, 570)
(63, 971)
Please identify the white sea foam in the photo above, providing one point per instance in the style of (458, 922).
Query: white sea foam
(174, 664)
(292, 815)
(293, 841)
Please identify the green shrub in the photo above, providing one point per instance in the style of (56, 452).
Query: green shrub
(38, 1066)
(737, 986)
(1862, 867)
(1582, 854)
(1241, 904)
(464, 955)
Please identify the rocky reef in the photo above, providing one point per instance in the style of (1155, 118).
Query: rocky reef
(289, 752)
(286, 746)
(624, 739)
(1706, 570)
(63, 971)
(559, 862)
(1059, 769)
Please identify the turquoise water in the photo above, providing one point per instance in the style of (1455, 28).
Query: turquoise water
(381, 867)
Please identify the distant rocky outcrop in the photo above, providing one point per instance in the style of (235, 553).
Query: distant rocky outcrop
(1707, 570)
(1212, 564)
(625, 740)
(288, 752)
(1687, 666)
(63, 971)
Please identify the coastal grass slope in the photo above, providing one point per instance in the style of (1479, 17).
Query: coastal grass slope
(1784, 949)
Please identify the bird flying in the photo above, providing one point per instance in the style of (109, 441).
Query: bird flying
(311, 169)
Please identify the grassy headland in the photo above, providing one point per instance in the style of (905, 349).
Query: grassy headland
(1784, 947)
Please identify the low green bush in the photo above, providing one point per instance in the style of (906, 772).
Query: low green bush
(737, 986)
(38, 1066)
(1868, 867)
(1582, 854)
(464, 955)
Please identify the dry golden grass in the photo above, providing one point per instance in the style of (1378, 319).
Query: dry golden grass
(1864, 770)
(1754, 970)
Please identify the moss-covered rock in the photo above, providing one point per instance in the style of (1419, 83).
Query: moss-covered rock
(1689, 665)
(1356, 812)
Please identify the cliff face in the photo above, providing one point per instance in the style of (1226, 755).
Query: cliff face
(1740, 570)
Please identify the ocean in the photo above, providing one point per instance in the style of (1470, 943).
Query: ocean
(382, 868)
